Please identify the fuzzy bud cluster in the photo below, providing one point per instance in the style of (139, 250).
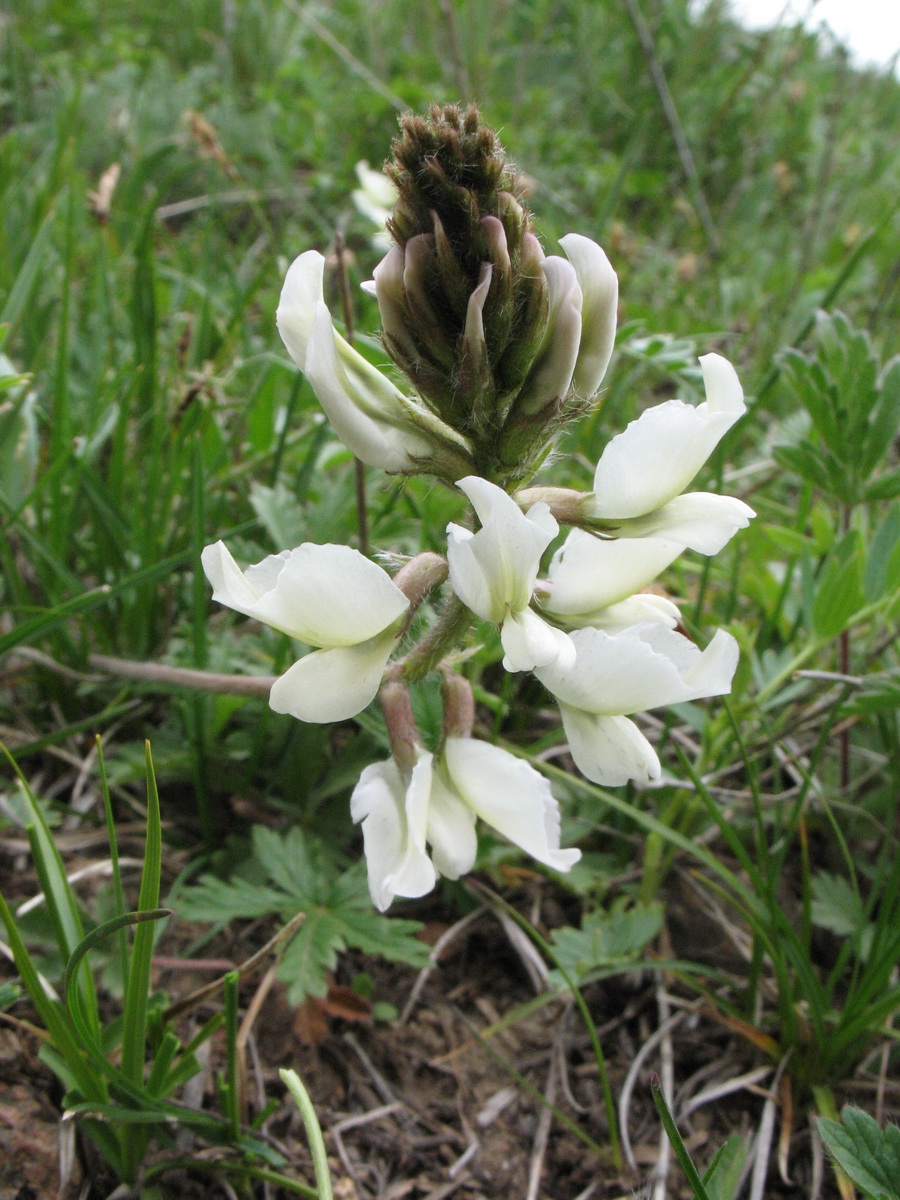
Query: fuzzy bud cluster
(484, 326)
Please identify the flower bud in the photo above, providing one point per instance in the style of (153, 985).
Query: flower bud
(501, 343)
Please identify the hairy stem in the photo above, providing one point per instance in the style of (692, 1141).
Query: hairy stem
(447, 632)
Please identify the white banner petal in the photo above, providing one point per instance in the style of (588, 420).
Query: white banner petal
(590, 573)
(510, 796)
(331, 596)
(350, 390)
(300, 293)
(507, 548)
(658, 455)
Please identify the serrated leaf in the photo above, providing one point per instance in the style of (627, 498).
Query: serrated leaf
(606, 938)
(835, 905)
(392, 937)
(214, 899)
(311, 956)
(869, 1156)
(286, 859)
(306, 879)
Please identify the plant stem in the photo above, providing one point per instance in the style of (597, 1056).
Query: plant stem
(449, 628)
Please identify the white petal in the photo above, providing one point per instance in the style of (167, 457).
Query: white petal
(235, 588)
(392, 814)
(600, 290)
(301, 292)
(551, 377)
(359, 401)
(331, 596)
(589, 573)
(658, 455)
(701, 673)
(388, 279)
(636, 610)
(334, 684)
(609, 750)
(646, 667)
(451, 830)
(701, 521)
(473, 334)
(724, 393)
(467, 576)
(506, 550)
(529, 642)
(511, 796)
(377, 186)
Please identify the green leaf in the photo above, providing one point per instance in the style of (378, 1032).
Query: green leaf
(882, 573)
(307, 879)
(884, 487)
(724, 1172)
(134, 1020)
(838, 589)
(869, 1156)
(836, 906)
(880, 693)
(214, 899)
(606, 938)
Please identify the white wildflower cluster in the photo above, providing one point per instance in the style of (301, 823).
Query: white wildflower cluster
(502, 346)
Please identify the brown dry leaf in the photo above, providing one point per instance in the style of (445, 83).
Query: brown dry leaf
(343, 1002)
(310, 1024)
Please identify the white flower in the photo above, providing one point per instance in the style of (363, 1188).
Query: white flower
(645, 667)
(494, 572)
(589, 574)
(600, 295)
(375, 198)
(643, 470)
(436, 803)
(372, 418)
(581, 325)
(327, 596)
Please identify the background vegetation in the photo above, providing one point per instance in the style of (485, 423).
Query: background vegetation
(741, 182)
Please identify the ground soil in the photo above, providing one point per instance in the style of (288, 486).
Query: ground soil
(445, 1101)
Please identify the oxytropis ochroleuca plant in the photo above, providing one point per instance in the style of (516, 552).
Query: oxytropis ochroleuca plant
(501, 347)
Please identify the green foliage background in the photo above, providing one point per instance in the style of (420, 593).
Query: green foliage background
(160, 412)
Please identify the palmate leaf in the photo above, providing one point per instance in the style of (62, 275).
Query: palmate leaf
(606, 938)
(869, 1156)
(303, 876)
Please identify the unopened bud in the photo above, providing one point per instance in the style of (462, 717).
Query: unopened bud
(403, 734)
(459, 705)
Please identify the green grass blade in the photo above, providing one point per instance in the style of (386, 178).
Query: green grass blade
(134, 1020)
(118, 891)
(681, 1153)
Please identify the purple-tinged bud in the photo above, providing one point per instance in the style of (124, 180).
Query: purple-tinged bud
(459, 705)
(396, 704)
